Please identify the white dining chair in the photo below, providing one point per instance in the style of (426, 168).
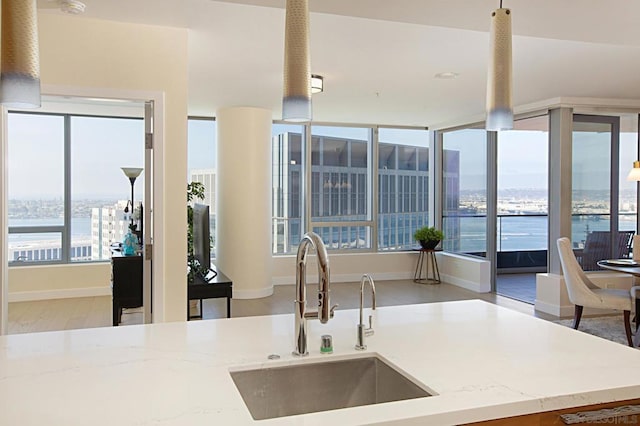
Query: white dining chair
(583, 292)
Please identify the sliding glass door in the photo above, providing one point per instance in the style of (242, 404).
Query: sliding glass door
(595, 185)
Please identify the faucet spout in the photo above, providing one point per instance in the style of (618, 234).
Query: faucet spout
(362, 331)
(301, 314)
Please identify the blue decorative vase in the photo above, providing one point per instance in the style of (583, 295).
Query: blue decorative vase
(130, 244)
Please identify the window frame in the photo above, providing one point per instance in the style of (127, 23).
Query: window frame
(65, 228)
(371, 223)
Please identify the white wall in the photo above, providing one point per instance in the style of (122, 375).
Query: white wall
(463, 271)
(41, 282)
(59, 281)
(84, 53)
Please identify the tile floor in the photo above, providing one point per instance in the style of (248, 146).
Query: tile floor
(347, 296)
(88, 312)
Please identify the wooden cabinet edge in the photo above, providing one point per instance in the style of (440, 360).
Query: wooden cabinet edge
(548, 418)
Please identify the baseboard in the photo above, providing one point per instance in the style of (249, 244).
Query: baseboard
(468, 285)
(552, 309)
(27, 296)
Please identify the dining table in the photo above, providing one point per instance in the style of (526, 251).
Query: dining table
(627, 266)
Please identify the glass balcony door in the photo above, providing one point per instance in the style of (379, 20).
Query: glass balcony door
(595, 187)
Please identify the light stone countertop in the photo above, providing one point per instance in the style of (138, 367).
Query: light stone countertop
(482, 360)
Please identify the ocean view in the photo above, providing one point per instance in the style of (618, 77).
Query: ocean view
(515, 232)
(80, 230)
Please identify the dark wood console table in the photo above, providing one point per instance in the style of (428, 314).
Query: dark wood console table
(126, 283)
(220, 286)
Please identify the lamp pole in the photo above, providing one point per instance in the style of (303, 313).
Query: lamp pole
(133, 181)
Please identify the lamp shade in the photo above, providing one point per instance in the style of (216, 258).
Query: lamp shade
(634, 174)
(296, 99)
(19, 57)
(499, 77)
(132, 172)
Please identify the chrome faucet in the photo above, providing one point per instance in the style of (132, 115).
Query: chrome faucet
(300, 304)
(362, 332)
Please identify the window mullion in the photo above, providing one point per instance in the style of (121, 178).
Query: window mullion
(66, 233)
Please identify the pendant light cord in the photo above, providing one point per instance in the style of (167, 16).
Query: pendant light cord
(500, 4)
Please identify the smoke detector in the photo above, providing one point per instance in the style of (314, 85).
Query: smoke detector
(72, 7)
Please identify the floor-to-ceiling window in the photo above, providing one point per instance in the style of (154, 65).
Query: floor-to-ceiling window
(201, 164)
(522, 208)
(627, 201)
(594, 140)
(340, 186)
(287, 181)
(403, 186)
(341, 189)
(464, 191)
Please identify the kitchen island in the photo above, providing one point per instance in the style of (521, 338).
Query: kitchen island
(482, 361)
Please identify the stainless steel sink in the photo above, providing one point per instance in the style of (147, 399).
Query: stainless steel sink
(310, 387)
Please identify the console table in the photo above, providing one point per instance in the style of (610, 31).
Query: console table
(220, 286)
(431, 265)
(126, 283)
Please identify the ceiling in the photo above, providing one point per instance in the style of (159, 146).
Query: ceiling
(379, 57)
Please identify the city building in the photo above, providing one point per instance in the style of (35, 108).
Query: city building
(108, 225)
(339, 192)
(207, 177)
(48, 250)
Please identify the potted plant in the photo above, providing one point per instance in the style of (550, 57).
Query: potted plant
(428, 237)
(195, 191)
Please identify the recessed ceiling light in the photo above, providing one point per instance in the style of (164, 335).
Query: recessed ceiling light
(447, 75)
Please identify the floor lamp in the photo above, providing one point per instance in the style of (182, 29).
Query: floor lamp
(132, 173)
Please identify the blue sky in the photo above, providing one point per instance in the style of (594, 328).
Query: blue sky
(101, 147)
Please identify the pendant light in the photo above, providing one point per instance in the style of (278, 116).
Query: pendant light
(317, 83)
(634, 174)
(296, 100)
(19, 63)
(500, 78)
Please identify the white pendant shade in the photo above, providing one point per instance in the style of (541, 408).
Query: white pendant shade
(19, 63)
(634, 174)
(296, 100)
(499, 78)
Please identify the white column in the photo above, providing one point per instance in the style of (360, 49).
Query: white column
(243, 200)
(4, 246)
(551, 293)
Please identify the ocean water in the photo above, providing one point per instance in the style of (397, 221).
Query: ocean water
(530, 232)
(80, 229)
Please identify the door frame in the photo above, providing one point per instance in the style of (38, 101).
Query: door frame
(155, 186)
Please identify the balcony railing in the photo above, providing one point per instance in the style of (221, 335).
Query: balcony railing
(522, 238)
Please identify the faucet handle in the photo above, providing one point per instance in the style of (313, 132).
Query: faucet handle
(369, 331)
(333, 308)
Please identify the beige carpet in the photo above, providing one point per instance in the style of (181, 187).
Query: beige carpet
(609, 327)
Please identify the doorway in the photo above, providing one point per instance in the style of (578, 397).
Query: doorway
(60, 230)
